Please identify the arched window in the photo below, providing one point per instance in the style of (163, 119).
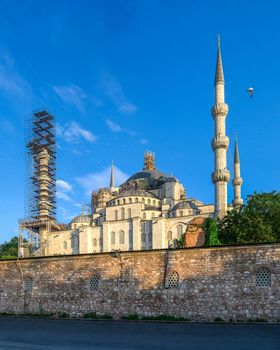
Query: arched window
(113, 238)
(143, 237)
(136, 199)
(129, 200)
(64, 245)
(94, 283)
(154, 202)
(124, 201)
(129, 213)
(28, 284)
(263, 277)
(179, 231)
(149, 201)
(116, 215)
(121, 237)
(118, 201)
(169, 236)
(94, 242)
(122, 213)
(153, 215)
(173, 280)
(143, 200)
(144, 216)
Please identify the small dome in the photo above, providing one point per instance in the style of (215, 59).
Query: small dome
(81, 219)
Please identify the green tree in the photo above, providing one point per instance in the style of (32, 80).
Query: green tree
(9, 249)
(256, 222)
(211, 230)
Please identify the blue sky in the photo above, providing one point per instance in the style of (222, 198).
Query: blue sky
(126, 76)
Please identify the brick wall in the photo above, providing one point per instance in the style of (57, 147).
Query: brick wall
(213, 282)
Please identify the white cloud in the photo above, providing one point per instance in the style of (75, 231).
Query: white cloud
(115, 92)
(113, 126)
(73, 133)
(62, 190)
(12, 84)
(96, 180)
(63, 186)
(72, 95)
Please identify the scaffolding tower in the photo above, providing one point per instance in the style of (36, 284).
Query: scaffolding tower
(40, 191)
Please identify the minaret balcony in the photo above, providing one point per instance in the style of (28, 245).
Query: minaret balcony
(237, 202)
(220, 142)
(237, 181)
(219, 110)
(220, 175)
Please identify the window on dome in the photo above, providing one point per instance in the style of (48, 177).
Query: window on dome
(136, 199)
(121, 237)
(124, 201)
(143, 200)
(154, 202)
(129, 200)
(149, 201)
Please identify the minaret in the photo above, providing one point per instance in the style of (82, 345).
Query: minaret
(112, 178)
(237, 180)
(220, 142)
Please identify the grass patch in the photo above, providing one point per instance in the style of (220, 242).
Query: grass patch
(132, 317)
(164, 318)
(94, 316)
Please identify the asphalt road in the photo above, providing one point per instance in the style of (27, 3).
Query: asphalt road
(46, 334)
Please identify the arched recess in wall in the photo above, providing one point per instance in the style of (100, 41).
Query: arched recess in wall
(129, 213)
(121, 237)
(113, 237)
(122, 213)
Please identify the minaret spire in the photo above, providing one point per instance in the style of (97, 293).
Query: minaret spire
(237, 180)
(112, 178)
(220, 142)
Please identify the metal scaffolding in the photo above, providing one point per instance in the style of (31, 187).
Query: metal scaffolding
(40, 173)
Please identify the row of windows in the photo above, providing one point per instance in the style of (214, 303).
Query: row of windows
(134, 200)
(263, 279)
(122, 215)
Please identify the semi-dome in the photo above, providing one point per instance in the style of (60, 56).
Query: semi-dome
(135, 192)
(187, 204)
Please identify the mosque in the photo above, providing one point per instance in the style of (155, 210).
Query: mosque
(150, 210)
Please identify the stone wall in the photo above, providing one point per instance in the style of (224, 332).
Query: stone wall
(213, 282)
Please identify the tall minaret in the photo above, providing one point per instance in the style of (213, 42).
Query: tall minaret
(237, 180)
(221, 175)
(112, 178)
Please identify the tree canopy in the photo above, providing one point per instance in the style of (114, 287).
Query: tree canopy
(258, 221)
(9, 249)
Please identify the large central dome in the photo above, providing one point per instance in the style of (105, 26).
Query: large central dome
(147, 174)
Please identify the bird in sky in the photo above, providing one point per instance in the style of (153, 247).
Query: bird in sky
(250, 90)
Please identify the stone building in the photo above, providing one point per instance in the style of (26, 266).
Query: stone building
(151, 210)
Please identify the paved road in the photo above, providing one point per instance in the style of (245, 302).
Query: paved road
(45, 334)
